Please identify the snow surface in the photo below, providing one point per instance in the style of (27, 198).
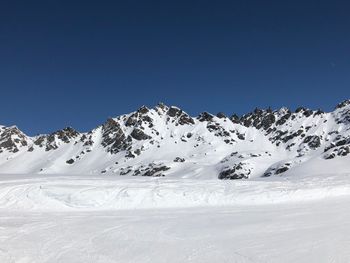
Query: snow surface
(71, 218)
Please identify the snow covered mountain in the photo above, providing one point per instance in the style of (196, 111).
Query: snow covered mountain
(166, 141)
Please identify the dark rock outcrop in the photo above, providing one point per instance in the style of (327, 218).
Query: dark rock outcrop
(343, 104)
(11, 139)
(139, 135)
(205, 116)
(113, 137)
(238, 171)
(179, 116)
(179, 160)
(313, 141)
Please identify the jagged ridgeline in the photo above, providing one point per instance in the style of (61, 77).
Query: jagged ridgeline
(166, 141)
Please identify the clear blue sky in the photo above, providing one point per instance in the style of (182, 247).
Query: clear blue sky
(76, 63)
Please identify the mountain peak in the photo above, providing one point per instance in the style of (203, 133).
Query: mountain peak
(343, 104)
(143, 110)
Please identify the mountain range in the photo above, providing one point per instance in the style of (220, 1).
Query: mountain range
(166, 141)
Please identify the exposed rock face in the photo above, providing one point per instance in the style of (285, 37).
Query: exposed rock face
(70, 161)
(139, 135)
(205, 116)
(337, 151)
(152, 169)
(343, 116)
(238, 171)
(179, 116)
(40, 140)
(156, 171)
(143, 110)
(221, 115)
(65, 136)
(313, 141)
(57, 138)
(179, 160)
(277, 169)
(259, 119)
(11, 139)
(113, 137)
(343, 104)
(283, 119)
(276, 125)
(140, 118)
(235, 118)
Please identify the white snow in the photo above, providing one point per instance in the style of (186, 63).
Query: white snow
(77, 218)
(73, 192)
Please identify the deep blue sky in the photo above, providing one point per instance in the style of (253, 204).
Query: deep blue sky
(76, 63)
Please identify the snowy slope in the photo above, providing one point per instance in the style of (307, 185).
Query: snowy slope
(166, 141)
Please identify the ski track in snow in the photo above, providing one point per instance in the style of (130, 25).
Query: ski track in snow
(307, 232)
(70, 193)
(103, 219)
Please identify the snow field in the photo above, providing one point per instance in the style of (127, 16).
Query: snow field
(70, 193)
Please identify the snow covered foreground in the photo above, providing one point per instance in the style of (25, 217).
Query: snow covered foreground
(114, 219)
(89, 193)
